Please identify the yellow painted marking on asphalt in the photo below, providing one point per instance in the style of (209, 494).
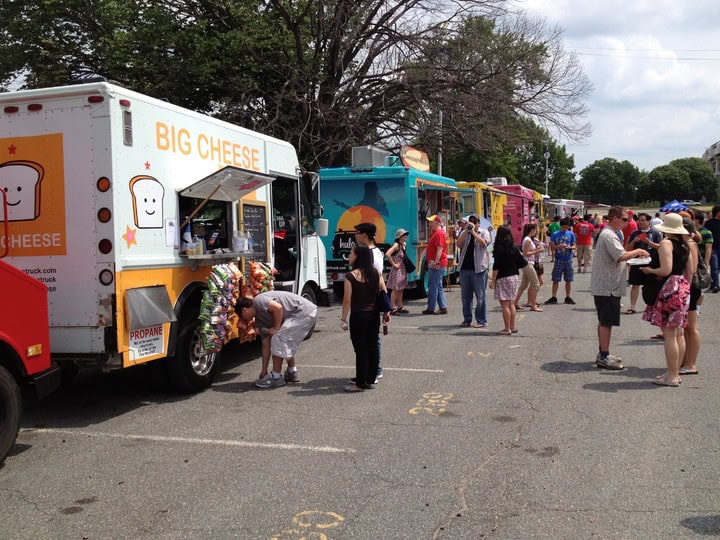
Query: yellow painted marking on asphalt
(432, 403)
(478, 353)
(314, 518)
(308, 523)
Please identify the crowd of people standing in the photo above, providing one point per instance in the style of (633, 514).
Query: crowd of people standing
(666, 256)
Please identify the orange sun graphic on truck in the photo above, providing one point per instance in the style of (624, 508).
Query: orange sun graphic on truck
(363, 214)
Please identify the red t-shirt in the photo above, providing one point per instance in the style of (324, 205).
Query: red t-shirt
(629, 229)
(437, 240)
(584, 233)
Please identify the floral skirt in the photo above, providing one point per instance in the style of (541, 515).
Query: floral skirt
(397, 279)
(506, 288)
(671, 307)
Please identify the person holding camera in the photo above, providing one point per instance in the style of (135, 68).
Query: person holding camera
(473, 242)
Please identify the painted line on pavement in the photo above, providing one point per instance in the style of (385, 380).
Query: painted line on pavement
(419, 370)
(189, 440)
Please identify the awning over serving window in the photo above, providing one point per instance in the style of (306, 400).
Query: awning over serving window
(228, 184)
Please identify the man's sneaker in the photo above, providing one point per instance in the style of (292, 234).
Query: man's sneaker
(428, 312)
(354, 381)
(442, 311)
(551, 300)
(569, 300)
(379, 374)
(268, 382)
(608, 362)
(291, 377)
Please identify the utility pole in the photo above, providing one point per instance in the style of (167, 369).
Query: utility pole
(547, 178)
(440, 150)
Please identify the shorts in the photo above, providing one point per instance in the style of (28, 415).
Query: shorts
(291, 334)
(636, 276)
(529, 278)
(563, 269)
(608, 310)
(695, 295)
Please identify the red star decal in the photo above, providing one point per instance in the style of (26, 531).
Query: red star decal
(147, 165)
(12, 148)
(129, 236)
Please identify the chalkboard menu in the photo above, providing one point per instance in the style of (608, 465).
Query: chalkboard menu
(255, 222)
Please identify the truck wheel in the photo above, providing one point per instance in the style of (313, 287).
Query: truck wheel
(422, 283)
(192, 369)
(10, 412)
(308, 293)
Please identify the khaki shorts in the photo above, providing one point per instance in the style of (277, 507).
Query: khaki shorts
(529, 278)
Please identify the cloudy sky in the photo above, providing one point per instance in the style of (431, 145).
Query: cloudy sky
(655, 68)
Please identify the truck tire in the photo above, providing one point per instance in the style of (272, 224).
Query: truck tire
(421, 285)
(10, 412)
(191, 369)
(308, 293)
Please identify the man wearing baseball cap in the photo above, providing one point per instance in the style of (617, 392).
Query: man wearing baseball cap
(436, 259)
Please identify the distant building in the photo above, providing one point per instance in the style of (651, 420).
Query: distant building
(712, 156)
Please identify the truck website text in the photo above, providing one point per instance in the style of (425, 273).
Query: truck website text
(170, 138)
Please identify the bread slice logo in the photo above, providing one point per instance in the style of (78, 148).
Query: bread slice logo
(20, 180)
(147, 199)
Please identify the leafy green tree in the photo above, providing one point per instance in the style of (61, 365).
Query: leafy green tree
(324, 74)
(667, 182)
(609, 181)
(703, 183)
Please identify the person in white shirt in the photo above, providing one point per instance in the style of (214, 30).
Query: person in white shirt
(657, 220)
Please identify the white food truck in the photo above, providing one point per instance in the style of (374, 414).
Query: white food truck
(100, 183)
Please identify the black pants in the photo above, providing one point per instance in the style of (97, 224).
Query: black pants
(364, 330)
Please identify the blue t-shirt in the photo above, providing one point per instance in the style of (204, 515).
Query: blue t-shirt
(567, 238)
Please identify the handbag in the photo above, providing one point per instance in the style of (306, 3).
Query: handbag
(701, 278)
(409, 265)
(539, 270)
(382, 302)
(653, 283)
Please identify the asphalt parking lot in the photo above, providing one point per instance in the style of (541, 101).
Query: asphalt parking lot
(468, 435)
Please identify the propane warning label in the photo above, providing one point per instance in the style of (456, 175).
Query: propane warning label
(146, 342)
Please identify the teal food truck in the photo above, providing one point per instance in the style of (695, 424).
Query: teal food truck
(392, 192)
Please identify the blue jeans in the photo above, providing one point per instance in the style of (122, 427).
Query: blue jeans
(473, 284)
(714, 267)
(436, 294)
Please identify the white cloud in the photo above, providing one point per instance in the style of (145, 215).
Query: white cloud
(654, 66)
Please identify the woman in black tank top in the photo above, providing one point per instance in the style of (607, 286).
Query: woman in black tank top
(670, 310)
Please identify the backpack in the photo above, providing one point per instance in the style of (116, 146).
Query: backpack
(701, 278)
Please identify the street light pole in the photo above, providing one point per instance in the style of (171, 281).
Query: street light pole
(547, 178)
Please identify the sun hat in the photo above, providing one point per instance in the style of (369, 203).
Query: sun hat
(436, 218)
(400, 233)
(672, 224)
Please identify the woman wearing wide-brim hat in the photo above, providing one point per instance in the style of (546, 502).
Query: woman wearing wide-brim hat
(398, 277)
(670, 310)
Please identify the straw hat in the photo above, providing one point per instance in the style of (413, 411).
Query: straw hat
(400, 233)
(672, 224)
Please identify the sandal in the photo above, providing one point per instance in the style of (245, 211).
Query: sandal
(504, 333)
(354, 388)
(536, 308)
(478, 325)
(688, 371)
(402, 309)
(662, 380)
(514, 331)
(631, 311)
